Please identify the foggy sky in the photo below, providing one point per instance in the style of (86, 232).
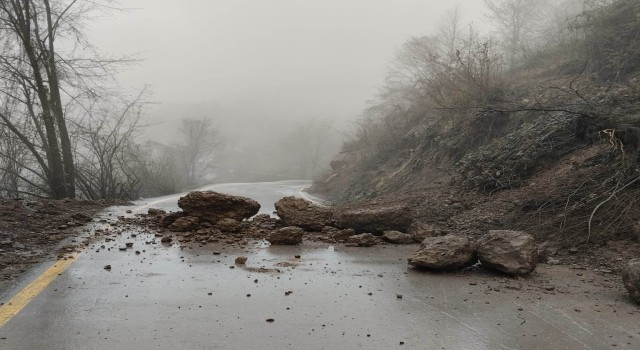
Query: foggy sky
(275, 60)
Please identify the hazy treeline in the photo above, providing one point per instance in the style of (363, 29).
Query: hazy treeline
(268, 150)
(439, 80)
(67, 129)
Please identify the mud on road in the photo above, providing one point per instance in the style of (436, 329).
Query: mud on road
(31, 231)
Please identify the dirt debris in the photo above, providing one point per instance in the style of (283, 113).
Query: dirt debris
(31, 231)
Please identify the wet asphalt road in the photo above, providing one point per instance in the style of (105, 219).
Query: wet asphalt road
(341, 298)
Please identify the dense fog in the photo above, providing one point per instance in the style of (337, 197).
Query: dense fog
(139, 98)
(265, 70)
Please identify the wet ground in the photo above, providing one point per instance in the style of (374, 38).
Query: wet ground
(331, 297)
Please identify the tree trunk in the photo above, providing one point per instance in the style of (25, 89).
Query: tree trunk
(56, 107)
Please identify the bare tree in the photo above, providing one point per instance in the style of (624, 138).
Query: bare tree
(106, 145)
(199, 144)
(514, 20)
(159, 169)
(43, 82)
(308, 146)
(450, 29)
(424, 75)
(12, 158)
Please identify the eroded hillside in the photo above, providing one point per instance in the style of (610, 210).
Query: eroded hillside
(549, 146)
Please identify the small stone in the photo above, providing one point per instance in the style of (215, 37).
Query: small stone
(552, 261)
(241, 260)
(290, 235)
(363, 240)
(631, 279)
(397, 237)
(107, 267)
(270, 320)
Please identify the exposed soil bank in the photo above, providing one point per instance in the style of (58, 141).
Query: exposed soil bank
(32, 230)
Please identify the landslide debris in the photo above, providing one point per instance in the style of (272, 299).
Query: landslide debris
(549, 146)
(374, 219)
(31, 230)
(302, 213)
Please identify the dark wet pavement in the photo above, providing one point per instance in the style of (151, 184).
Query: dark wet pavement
(169, 297)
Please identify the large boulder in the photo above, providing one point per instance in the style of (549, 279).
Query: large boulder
(285, 236)
(631, 279)
(448, 253)
(302, 213)
(397, 237)
(511, 252)
(375, 219)
(363, 240)
(212, 206)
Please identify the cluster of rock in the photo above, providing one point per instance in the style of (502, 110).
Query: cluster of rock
(211, 213)
(510, 252)
(206, 214)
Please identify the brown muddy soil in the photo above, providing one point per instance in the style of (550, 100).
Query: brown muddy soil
(32, 230)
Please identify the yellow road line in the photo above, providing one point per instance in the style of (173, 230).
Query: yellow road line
(20, 300)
